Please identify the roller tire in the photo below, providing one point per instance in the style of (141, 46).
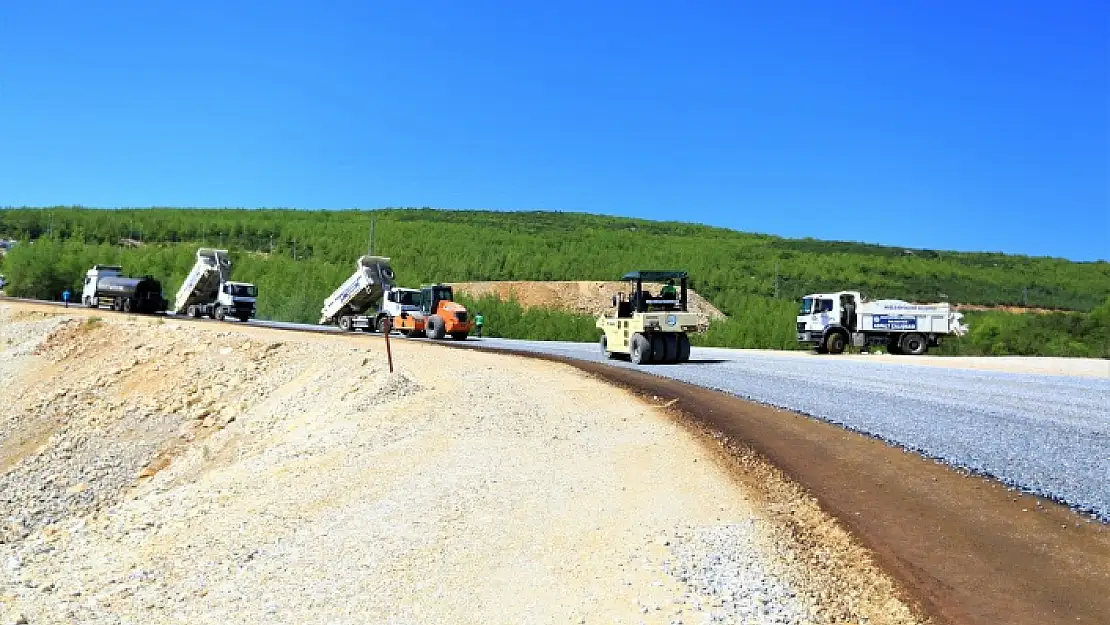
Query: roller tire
(436, 328)
(639, 349)
(658, 348)
(670, 343)
(603, 345)
(683, 348)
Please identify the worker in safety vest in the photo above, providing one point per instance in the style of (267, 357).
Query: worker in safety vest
(479, 321)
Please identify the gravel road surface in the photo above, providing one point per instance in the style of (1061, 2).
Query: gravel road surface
(1043, 434)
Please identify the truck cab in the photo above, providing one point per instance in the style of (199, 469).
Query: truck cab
(92, 278)
(237, 299)
(820, 312)
(399, 303)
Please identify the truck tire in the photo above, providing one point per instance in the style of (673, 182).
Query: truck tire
(218, 314)
(89, 302)
(345, 323)
(683, 348)
(835, 343)
(914, 344)
(435, 328)
(126, 306)
(639, 349)
(379, 324)
(244, 318)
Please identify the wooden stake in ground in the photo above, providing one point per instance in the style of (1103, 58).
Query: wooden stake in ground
(386, 327)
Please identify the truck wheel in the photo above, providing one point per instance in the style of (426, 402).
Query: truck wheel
(218, 314)
(126, 305)
(435, 328)
(603, 345)
(244, 318)
(835, 343)
(379, 325)
(914, 344)
(670, 343)
(683, 348)
(115, 304)
(892, 347)
(345, 323)
(89, 302)
(639, 349)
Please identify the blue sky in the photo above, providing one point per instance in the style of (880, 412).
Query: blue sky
(947, 125)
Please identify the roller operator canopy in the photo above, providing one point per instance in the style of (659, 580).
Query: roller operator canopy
(654, 275)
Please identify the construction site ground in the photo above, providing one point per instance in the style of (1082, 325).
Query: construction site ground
(167, 471)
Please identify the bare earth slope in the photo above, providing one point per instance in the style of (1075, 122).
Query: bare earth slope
(171, 472)
(583, 297)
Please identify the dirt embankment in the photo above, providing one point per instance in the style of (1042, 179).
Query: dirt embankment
(583, 297)
(170, 472)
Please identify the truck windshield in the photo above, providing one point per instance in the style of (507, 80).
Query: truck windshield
(239, 290)
(408, 298)
(807, 306)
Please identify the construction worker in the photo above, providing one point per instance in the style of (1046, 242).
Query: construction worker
(479, 320)
(65, 297)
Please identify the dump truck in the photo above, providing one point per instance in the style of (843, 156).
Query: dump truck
(356, 303)
(209, 292)
(106, 286)
(830, 322)
(439, 315)
(651, 328)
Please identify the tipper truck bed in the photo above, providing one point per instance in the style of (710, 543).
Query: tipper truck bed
(209, 292)
(355, 304)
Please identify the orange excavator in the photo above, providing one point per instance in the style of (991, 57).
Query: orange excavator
(439, 316)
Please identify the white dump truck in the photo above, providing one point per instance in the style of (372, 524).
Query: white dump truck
(357, 302)
(832, 321)
(209, 292)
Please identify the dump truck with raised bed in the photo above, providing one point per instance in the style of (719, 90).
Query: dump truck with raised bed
(651, 328)
(439, 315)
(209, 292)
(832, 321)
(356, 303)
(106, 286)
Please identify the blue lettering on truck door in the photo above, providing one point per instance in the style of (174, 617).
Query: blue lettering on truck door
(887, 322)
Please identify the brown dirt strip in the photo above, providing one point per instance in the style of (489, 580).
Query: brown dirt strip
(966, 549)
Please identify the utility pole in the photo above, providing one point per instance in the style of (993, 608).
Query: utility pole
(370, 246)
(1025, 296)
(776, 279)
(271, 245)
(294, 248)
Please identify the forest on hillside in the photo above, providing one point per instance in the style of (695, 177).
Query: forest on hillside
(298, 257)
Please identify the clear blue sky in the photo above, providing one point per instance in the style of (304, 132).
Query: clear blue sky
(948, 125)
